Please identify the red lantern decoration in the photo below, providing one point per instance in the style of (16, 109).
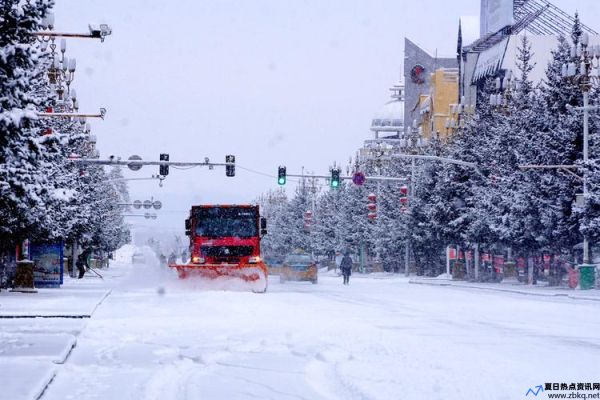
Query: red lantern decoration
(372, 206)
(308, 220)
(403, 198)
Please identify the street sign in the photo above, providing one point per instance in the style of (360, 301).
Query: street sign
(147, 204)
(135, 167)
(358, 178)
(137, 204)
(157, 205)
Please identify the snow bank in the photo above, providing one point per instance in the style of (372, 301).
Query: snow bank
(124, 254)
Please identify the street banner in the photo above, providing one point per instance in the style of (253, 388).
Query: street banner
(452, 253)
(49, 264)
(499, 264)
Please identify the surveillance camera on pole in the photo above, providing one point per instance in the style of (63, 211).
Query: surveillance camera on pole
(99, 31)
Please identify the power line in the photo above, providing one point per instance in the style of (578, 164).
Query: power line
(264, 173)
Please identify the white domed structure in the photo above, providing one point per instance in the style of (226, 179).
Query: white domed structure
(388, 123)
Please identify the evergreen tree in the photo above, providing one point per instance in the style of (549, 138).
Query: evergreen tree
(22, 152)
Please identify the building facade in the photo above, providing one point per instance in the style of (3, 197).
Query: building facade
(418, 66)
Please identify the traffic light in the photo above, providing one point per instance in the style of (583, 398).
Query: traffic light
(281, 176)
(230, 167)
(335, 178)
(163, 170)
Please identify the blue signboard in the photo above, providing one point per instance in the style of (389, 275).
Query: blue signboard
(49, 264)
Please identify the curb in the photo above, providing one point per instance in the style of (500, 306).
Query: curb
(505, 290)
(72, 316)
(74, 344)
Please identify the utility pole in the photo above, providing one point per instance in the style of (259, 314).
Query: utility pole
(411, 193)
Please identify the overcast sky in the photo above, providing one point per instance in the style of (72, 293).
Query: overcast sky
(273, 82)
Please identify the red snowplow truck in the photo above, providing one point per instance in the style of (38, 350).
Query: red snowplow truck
(225, 244)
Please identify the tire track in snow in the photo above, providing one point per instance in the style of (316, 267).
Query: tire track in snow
(323, 374)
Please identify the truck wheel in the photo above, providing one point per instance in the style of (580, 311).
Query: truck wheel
(314, 281)
(281, 279)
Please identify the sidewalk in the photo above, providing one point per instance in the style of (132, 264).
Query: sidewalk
(513, 286)
(38, 331)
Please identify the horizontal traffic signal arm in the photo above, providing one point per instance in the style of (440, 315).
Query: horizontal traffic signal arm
(116, 161)
(101, 114)
(344, 177)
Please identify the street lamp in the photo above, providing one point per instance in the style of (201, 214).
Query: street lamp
(61, 70)
(584, 69)
(504, 87)
(458, 115)
(100, 31)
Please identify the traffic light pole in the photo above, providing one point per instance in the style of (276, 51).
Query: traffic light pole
(411, 192)
(93, 161)
(101, 114)
(371, 178)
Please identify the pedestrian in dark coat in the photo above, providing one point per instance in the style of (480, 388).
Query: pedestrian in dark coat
(82, 262)
(346, 267)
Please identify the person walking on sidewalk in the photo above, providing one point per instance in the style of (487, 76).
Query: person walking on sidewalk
(346, 267)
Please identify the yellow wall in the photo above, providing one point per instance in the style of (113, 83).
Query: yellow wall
(443, 95)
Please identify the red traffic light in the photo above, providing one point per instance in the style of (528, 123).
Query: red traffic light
(404, 190)
(372, 197)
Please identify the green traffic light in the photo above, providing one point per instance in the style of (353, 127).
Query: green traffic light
(335, 178)
(281, 178)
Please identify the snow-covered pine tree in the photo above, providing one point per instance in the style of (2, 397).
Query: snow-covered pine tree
(272, 205)
(22, 178)
(563, 146)
(522, 224)
(355, 229)
(325, 230)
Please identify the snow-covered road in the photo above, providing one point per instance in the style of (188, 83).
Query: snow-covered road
(374, 339)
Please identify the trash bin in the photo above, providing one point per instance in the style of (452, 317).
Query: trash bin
(587, 276)
(24, 277)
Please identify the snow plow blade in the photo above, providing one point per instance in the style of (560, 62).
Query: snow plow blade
(252, 276)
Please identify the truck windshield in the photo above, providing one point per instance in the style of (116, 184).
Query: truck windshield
(226, 222)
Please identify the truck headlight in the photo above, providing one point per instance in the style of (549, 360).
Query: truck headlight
(198, 260)
(254, 260)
